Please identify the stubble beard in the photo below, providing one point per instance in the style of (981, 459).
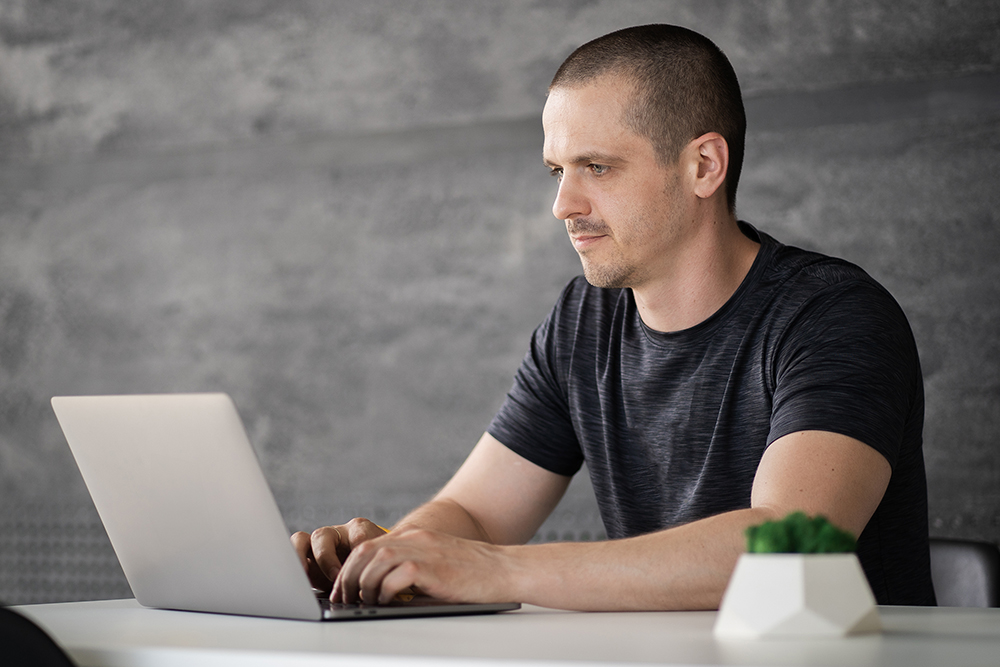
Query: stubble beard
(617, 271)
(613, 272)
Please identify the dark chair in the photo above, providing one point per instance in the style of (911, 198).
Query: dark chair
(24, 644)
(965, 573)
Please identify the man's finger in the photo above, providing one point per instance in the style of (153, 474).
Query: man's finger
(303, 548)
(302, 542)
(356, 532)
(377, 567)
(326, 543)
(400, 579)
(347, 586)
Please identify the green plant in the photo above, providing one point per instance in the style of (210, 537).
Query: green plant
(797, 533)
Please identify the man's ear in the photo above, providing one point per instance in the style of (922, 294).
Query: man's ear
(711, 154)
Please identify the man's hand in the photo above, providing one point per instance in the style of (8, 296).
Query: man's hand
(436, 564)
(324, 551)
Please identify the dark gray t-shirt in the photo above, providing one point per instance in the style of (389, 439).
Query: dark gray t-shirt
(672, 426)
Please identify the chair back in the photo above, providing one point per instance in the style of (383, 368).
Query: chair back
(965, 573)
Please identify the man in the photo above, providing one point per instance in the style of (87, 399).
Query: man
(710, 377)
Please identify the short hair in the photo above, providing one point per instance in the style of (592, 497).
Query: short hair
(684, 87)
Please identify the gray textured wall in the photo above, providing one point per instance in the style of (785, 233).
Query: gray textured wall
(337, 213)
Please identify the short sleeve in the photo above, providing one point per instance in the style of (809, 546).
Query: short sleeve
(534, 420)
(848, 364)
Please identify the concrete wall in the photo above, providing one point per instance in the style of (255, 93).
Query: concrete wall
(337, 213)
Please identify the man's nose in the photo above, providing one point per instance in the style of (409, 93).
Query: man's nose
(570, 200)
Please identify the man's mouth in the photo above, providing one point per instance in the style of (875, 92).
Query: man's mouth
(584, 233)
(584, 241)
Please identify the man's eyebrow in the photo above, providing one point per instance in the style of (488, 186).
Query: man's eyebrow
(587, 158)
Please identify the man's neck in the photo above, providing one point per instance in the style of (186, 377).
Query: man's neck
(703, 279)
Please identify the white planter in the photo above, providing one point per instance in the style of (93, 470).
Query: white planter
(797, 595)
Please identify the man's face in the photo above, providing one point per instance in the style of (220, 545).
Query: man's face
(624, 212)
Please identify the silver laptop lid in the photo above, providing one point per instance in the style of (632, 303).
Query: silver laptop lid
(185, 503)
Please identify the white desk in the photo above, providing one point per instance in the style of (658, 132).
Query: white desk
(120, 633)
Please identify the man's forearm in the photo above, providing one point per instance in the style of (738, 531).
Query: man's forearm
(441, 549)
(686, 567)
(444, 516)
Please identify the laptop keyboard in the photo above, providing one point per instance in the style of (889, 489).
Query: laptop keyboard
(415, 601)
(359, 609)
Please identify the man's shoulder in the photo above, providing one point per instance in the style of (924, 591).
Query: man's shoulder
(794, 270)
(797, 283)
(791, 262)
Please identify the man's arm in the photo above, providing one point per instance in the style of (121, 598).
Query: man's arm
(460, 545)
(496, 497)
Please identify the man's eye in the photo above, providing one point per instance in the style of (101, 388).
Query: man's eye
(599, 169)
(555, 172)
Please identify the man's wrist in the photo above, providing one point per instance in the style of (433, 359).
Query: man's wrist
(518, 571)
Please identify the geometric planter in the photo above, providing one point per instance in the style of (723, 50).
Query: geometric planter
(797, 595)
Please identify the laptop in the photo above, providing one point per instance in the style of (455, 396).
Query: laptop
(190, 515)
